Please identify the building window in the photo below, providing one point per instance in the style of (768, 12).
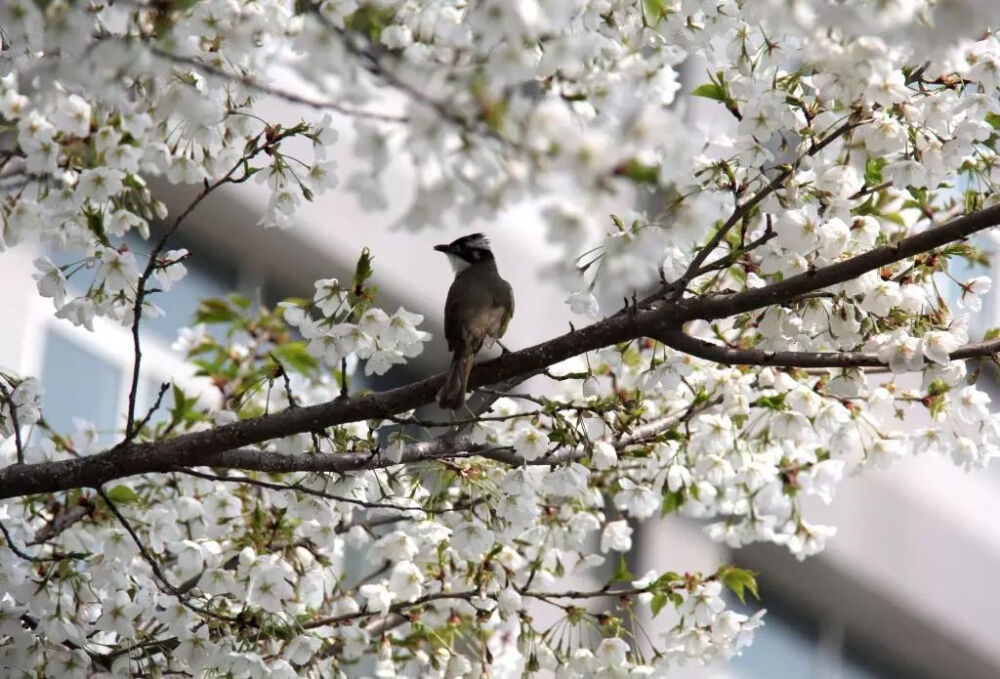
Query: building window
(795, 645)
(79, 384)
(86, 375)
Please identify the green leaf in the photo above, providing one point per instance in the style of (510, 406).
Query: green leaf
(972, 201)
(640, 172)
(739, 580)
(95, 224)
(622, 573)
(873, 171)
(711, 91)
(122, 495)
(655, 10)
(776, 402)
(294, 355)
(238, 300)
(363, 271)
(994, 120)
(659, 601)
(666, 580)
(214, 310)
(672, 499)
(894, 217)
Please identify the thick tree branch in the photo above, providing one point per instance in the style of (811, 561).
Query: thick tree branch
(203, 447)
(799, 359)
(723, 306)
(155, 457)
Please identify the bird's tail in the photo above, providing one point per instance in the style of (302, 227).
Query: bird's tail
(452, 394)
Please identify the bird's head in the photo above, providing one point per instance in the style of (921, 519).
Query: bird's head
(467, 250)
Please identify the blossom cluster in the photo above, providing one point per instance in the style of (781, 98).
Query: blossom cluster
(373, 336)
(819, 132)
(21, 402)
(87, 147)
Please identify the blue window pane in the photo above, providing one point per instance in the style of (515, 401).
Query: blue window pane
(206, 277)
(78, 384)
(960, 270)
(180, 302)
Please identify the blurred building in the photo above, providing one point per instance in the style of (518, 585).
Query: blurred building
(907, 588)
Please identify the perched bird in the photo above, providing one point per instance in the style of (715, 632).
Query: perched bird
(479, 306)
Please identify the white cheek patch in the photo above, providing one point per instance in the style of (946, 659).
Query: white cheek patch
(457, 263)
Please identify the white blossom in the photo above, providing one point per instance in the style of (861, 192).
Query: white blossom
(616, 536)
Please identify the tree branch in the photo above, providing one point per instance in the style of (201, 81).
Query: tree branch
(723, 306)
(291, 97)
(366, 504)
(141, 292)
(8, 397)
(799, 359)
(694, 269)
(36, 559)
(205, 447)
(158, 457)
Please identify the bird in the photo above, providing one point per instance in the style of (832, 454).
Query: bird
(479, 306)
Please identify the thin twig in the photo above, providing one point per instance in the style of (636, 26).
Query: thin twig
(275, 92)
(677, 287)
(318, 493)
(146, 556)
(9, 399)
(156, 406)
(141, 292)
(718, 353)
(36, 559)
(64, 520)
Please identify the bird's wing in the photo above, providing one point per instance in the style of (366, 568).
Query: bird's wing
(490, 326)
(453, 319)
(505, 300)
(477, 310)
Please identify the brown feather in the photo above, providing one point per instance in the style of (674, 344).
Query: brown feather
(479, 306)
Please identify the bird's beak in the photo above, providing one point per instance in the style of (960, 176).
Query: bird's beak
(442, 248)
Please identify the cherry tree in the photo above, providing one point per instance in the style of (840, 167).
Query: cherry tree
(768, 262)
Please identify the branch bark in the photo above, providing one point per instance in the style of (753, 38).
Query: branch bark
(799, 359)
(722, 306)
(205, 447)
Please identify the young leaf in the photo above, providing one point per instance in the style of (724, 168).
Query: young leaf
(622, 573)
(738, 580)
(711, 91)
(122, 495)
(658, 602)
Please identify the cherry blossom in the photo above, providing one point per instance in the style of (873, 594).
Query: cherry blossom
(775, 239)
